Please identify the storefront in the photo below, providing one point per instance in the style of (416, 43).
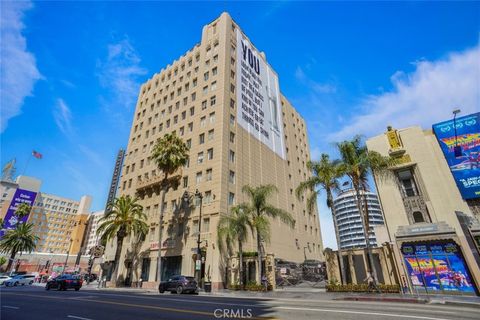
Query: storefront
(437, 266)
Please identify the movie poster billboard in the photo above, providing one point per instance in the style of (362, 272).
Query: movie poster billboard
(466, 167)
(11, 220)
(259, 108)
(437, 267)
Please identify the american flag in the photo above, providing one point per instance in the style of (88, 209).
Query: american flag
(36, 154)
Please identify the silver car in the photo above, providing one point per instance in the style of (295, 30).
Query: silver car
(3, 279)
(19, 280)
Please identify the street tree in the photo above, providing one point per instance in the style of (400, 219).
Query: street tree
(125, 217)
(19, 239)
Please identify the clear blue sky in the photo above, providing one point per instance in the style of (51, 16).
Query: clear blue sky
(71, 72)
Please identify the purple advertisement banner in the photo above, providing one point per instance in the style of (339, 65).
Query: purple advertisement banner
(20, 196)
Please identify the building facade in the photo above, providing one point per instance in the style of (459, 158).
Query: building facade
(427, 220)
(349, 221)
(235, 138)
(92, 238)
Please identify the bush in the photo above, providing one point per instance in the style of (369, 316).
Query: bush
(385, 288)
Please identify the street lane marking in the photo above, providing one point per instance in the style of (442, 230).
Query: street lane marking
(75, 317)
(134, 305)
(11, 307)
(361, 312)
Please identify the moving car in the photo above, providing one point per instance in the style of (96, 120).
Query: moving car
(19, 280)
(67, 281)
(179, 284)
(3, 279)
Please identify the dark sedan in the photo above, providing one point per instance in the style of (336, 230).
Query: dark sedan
(65, 282)
(179, 284)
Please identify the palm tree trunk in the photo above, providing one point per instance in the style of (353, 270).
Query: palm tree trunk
(118, 252)
(259, 259)
(10, 261)
(162, 209)
(240, 262)
(343, 273)
(367, 227)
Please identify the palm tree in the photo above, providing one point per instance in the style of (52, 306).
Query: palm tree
(232, 228)
(18, 240)
(260, 210)
(325, 176)
(22, 210)
(170, 153)
(125, 216)
(357, 162)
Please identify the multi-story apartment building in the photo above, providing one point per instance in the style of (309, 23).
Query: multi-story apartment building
(349, 221)
(92, 238)
(222, 98)
(431, 226)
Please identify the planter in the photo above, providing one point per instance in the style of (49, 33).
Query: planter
(207, 286)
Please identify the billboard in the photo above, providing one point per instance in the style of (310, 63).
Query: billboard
(11, 220)
(259, 108)
(466, 167)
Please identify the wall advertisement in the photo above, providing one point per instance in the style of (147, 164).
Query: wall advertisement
(465, 168)
(11, 220)
(258, 97)
(437, 267)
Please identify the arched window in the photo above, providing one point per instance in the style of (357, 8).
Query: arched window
(418, 217)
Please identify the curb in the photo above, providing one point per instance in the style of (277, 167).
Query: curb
(383, 299)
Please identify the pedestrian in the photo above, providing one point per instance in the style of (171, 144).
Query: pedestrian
(370, 279)
(265, 282)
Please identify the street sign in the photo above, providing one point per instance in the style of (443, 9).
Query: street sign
(198, 265)
(97, 251)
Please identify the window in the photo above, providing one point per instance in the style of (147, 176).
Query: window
(194, 82)
(182, 131)
(215, 58)
(190, 126)
(207, 198)
(213, 100)
(214, 71)
(203, 121)
(231, 177)
(200, 157)
(204, 105)
(212, 117)
(232, 119)
(205, 76)
(189, 143)
(418, 217)
(407, 182)
(232, 88)
(210, 154)
(201, 138)
(198, 178)
(206, 221)
(195, 227)
(231, 198)
(205, 90)
(232, 156)
(208, 175)
(194, 96)
(213, 86)
(192, 111)
(232, 137)
(232, 103)
(210, 135)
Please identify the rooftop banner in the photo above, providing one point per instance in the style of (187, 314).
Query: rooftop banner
(465, 168)
(259, 109)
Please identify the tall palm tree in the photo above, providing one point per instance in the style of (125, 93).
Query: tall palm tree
(22, 210)
(260, 211)
(357, 162)
(325, 175)
(125, 216)
(233, 227)
(170, 153)
(18, 240)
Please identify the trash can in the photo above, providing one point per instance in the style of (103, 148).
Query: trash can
(207, 286)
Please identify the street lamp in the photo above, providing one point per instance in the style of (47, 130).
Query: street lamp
(198, 262)
(66, 260)
(457, 150)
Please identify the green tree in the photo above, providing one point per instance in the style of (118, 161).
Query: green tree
(125, 216)
(170, 153)
(233, 227)
(325, 175)
(20, 239)
(22, 210)
(357, 163)
(260, 211)
(3, 260)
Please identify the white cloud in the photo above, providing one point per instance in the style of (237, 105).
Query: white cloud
(423, 97)
(119, 73)
(316, 87)
(18, 67)
(63, 117)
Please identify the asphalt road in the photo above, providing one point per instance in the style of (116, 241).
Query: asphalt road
(36, 303)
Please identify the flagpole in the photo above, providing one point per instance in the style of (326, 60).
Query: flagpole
(26, 165)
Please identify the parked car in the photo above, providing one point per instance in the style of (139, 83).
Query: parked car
(67, 281)
(179, 284)
(3, 279)
(19, 280)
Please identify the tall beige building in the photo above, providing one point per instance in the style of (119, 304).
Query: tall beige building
(222, 98)
(431, 226)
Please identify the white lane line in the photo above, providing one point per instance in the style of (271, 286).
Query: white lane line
(361, 312)
(11, 307)
(75, 317)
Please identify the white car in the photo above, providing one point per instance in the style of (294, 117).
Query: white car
(3, 279)
(19, 280)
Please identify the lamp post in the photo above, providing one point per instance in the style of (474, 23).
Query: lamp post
(66, 260)
(199, 261)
